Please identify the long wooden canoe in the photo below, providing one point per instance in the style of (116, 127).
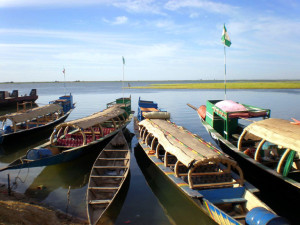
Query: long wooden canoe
(204, 174)
(108, 174)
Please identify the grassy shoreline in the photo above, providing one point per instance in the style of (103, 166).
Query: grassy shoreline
(237, 85)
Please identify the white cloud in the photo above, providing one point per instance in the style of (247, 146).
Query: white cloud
(57, 3)
(194, 15)
(117, 21)
(137, 6)
(121, 20)
(209, 6)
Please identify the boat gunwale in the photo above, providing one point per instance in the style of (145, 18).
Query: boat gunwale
(193, 195)
(123, 178)
(61, 155)
(219, 137)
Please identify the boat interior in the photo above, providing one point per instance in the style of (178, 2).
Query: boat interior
(281, 159)
(231, 124)
(108, 173)
(211, 177)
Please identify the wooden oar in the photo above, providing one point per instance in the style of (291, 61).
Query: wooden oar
(193, 107)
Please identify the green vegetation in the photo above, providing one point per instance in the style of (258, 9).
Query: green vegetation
(237, 85)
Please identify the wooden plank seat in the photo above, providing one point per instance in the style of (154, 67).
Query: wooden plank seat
(232, 195)
(107, 176)
(110, 167)
(111, 158)
(229, 200)
(113, 150)
(96, 202)
(104, 188)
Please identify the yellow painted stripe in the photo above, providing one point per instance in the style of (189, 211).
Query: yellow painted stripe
(182, 184)
(169, 173)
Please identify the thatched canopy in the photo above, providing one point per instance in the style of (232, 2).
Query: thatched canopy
(96, 118)
(277, 131)
(32, 113)
(178, 142)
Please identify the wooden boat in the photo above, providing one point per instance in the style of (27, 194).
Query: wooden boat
(204, 174)
(108, 174)
(26, 124)
(268, 150)
(11, 99)
(74, 138)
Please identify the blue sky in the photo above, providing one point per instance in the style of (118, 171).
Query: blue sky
(160, 40)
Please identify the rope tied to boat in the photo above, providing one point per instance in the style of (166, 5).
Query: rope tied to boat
(15, 184)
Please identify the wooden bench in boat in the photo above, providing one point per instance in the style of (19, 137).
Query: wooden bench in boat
(104, 188)
(96, 202)
(107, 176)
(233, 195)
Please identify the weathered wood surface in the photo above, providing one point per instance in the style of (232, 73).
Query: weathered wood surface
(107, 177)
(179, 142)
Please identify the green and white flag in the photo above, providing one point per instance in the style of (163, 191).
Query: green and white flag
(225, 38)
(123, 60)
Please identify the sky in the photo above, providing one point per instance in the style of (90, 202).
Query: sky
(159, 40)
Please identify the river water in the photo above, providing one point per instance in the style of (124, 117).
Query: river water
(144, 201)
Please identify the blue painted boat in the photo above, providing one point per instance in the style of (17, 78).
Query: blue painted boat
(26, 124)
(72, 139)
(204, 174)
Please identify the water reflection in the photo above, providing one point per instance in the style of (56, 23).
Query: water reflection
(141, 206)
(111, 214)
(9, 153)
(171, 198)
(74, 174)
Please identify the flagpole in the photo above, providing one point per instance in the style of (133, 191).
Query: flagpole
(225, 70)
(227, 42)
(123, 81)
(64, 71)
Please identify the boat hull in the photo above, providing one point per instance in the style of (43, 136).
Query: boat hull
(209, 213)
(110, 170)
(65, 156)
(40, 132)
(13, 101)
(274, 190)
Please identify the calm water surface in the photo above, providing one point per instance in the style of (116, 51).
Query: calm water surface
(144, 201)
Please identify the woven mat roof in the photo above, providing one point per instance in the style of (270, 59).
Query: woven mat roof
(32, 113)
(178, 142)
(277, 131)
(97, 118)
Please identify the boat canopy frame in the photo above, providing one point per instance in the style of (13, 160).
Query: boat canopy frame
(172, 156)
(279, 132)
(53, 110)
(114, 115)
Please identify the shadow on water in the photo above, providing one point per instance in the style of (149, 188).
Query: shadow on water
(73, 175)
(111, 214)
(9, 153)
(178, 208)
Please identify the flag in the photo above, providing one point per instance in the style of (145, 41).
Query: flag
(225, 38)
(123, 60)
(64, 71)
